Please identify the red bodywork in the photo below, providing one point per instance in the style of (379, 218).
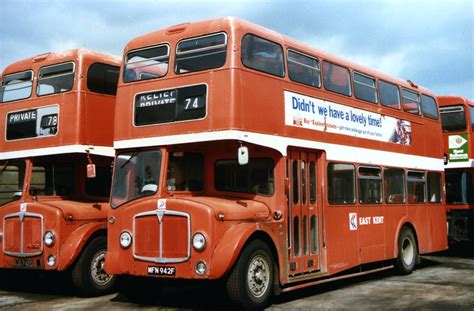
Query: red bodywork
(245, 106)
(84, 135)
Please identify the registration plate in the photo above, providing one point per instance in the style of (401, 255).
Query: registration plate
(21, 263)
(162, 270)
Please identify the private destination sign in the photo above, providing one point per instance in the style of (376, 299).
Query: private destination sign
(40, 122)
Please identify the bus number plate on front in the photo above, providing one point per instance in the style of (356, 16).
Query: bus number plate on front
(23, 263)
(160, 270)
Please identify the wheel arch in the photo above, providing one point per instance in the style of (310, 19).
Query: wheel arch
(412, 228)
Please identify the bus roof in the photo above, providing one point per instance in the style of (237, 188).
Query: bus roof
(234, 25)
(454, 100)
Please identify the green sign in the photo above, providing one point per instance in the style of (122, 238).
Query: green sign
(458, 148)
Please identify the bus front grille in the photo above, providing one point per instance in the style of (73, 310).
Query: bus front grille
(23, 234)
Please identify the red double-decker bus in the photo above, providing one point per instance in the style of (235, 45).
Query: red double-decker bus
(247, 156)
(457, 117)
(57, 112)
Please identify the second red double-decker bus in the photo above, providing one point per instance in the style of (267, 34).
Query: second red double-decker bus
(247, 156)
(56, 128)
(457, 116)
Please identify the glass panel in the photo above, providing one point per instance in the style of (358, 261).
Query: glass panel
(453, 118)
(201, 53)
(314, 234)
(370, 185)
(185, 172)
(295, 182)
(103, 78)
(256, 177)
(394, 185)
(336, 78)
(472, 118)
(303, 182)
(12, 176)
(296, 235)
(303, 69)
(136, 174)
(411, 101)
(312, 182)
(459, 188)
(55, 79)
(429, 107)
(389, 95)
(341, 183)
(305, 235)
(263, 55)
(434, 187)
(16, 86)
(100, 185)
(52, 178)
(416, 187)
(147, 63)
(364, 88)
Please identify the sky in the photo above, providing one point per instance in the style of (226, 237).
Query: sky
(429, 42)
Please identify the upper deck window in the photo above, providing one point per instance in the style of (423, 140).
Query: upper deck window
(16, 86)
(364, 88)
(147, 63)
(429, 107)
(262, 55)
(57, 78)
(303, 69)
(453, 119)
(201, 53)
(336, 78)
(411, 101)
(103, 78)
(389, 95)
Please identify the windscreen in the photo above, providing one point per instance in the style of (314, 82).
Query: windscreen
(12, 176)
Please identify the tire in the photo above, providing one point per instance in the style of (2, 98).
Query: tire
(407, 252)
(250, 284)
(88, 275)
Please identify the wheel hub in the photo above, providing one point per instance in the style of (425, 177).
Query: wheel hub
(258, 276)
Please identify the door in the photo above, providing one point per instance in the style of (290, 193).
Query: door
(304, 217)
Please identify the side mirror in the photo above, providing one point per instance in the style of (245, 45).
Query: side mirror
(243, 155)
(91, 171)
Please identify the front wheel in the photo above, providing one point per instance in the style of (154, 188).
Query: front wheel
(250, 283)
(407, 252)
(88, 274)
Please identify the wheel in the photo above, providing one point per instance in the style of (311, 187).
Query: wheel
(88, 275)
(407, 252)
(250, 284)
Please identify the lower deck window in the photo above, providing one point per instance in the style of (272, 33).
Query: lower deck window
(341, 183)
(394, 185)
(416, 187)
(256, 177)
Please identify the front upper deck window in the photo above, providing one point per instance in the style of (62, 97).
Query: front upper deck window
(12, 176)
(16, 86)
(262, 55)
(54, 79)
(201, 53)
(411, 101)
(136, 174)
(147, 63)
(453, 118)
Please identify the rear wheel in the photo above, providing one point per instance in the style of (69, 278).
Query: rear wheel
(250, 283)
(407, 252)
(88, 274)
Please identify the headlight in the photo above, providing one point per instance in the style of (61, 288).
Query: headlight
(199, 241)
(51, 261)
(125, 240)
(200, 267)
(49, 238)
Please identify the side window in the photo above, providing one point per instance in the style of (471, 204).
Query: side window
(55, 79)
(336, 78)
(416, 187)
(101, 183)
(12, 176)
(364, 88)
(185, 172)
(429, 107)
(262, 55)
(147, 63)
(370, 185)
(394, 185)
(434, 187)
(303, 69)
(201, 53)
(16, 86)
(389, 95)
(341, 183)
(103, 78)
(411, 101)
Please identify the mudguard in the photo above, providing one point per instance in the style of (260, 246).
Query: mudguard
(75, 242)
(230, 247)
